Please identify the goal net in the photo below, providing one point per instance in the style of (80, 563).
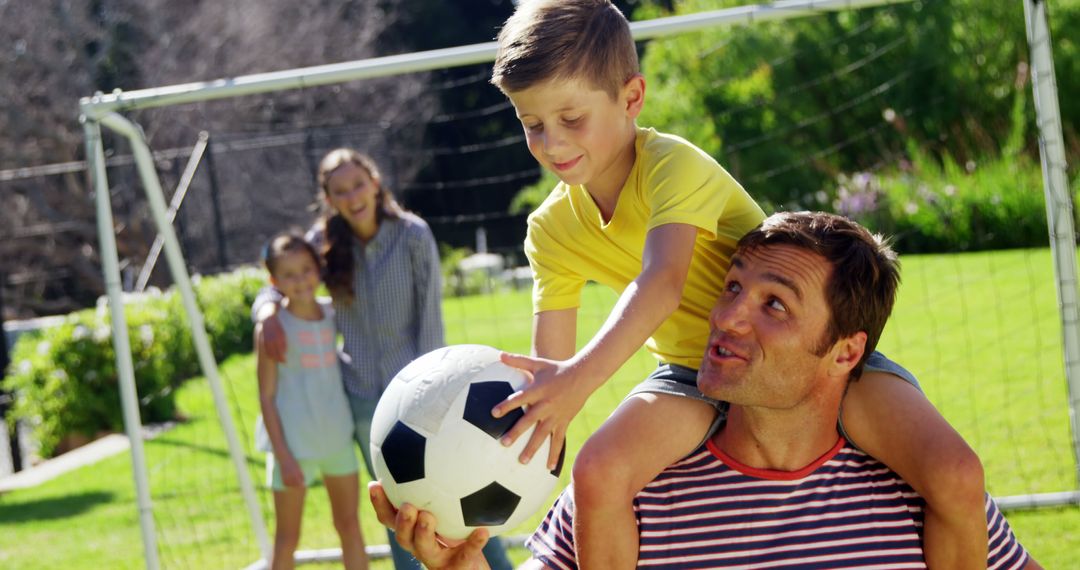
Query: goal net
(859, 107)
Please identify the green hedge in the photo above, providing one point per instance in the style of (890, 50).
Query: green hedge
(64, 378)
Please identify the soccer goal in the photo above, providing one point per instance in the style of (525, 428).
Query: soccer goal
(995, 345)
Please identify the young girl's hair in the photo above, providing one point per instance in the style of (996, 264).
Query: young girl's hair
(337, 249)
(286, 242)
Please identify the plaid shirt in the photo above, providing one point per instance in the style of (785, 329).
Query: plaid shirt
(396, 314)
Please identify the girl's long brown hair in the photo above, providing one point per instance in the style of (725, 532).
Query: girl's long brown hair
(337, 249)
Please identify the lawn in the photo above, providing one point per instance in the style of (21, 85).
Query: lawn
(981, 332)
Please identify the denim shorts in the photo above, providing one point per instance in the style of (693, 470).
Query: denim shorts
(678, 380)
(674, 380)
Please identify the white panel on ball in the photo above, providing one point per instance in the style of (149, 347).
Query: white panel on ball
(435, 445)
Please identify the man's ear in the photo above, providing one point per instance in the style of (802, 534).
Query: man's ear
(633, 95)
(847, 352)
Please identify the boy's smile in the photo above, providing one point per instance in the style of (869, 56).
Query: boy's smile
(581, 133)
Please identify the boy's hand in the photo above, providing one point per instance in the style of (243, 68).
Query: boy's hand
(553, 398)
(291, 474)
(270, 338)
(415, 532)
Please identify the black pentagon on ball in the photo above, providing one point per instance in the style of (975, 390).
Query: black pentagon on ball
(403, 451)
(482, 397)
(490, 506)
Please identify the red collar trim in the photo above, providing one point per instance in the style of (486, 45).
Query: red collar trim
(775, 474)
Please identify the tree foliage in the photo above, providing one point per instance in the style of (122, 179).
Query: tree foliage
(941, 74)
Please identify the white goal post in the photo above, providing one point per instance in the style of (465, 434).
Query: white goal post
(105, 110)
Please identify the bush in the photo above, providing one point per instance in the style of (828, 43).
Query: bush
(65, 380)
(941, 206)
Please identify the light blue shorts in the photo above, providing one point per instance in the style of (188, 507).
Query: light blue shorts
(333, 465)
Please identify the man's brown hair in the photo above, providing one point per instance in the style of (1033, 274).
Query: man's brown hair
(861, 288)
(565, 39)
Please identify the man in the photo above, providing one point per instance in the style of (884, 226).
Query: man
(775, 486)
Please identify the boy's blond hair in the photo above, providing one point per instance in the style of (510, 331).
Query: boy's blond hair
(565, 39)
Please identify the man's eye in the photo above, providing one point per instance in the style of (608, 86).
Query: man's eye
(776, 305)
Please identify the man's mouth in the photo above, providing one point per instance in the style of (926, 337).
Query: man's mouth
(725, 350)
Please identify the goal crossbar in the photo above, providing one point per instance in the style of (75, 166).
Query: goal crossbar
(99, 104)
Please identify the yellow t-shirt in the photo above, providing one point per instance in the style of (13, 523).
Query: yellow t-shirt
(672, 181)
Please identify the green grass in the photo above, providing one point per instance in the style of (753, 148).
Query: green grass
(981, 332)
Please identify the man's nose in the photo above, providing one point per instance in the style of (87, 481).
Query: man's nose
(731, 315)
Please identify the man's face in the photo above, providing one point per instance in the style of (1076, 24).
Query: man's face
(766, 346)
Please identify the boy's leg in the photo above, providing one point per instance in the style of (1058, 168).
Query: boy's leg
(646, 433)
(362, 410)
(344, 492)
(885, 414)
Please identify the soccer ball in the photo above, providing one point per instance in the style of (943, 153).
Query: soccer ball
(435, 444)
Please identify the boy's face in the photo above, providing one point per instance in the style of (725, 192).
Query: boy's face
(768, 330)
(579, 132)
(296, 275)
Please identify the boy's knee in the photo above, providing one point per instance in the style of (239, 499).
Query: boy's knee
(961, 480)
(598, 474)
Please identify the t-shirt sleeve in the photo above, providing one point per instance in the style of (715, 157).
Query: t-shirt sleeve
(685, 186)
(555, 286)
(1005, 553)
(553, 541)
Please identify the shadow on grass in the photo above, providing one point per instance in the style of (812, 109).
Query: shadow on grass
(52, 507)
(254, 461)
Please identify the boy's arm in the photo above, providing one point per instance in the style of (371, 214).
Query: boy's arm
(554, 334)
(560, 387)
(266, 369)
(893, 421)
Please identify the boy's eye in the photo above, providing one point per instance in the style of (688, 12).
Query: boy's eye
(777, 305)
(732, 287)
(535, 127)
(572, 120)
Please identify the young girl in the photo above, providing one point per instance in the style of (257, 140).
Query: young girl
(382, 270)
(305, 413)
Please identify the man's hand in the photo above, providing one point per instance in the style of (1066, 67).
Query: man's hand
(270, 338)
(415, 532)
(553, 397)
